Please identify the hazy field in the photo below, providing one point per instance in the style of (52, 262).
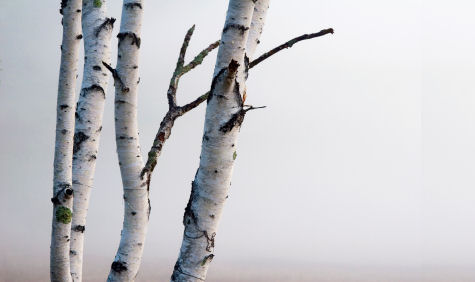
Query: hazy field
(36, 270)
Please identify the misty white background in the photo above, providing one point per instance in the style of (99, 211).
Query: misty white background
(364, 156)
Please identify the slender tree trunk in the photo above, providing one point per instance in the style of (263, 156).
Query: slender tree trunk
(62, 181)
(136, 194)
(97, 31)
(224, 115)
(257, 25)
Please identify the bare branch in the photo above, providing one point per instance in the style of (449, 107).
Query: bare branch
(199, 58)
(176, 111)
(184, 47)
(171, 93)
(289, 44)
(188, 107)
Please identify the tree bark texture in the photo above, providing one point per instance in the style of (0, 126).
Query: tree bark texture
(136, 194)
(224, 115)
(97, 31)
(62, 179)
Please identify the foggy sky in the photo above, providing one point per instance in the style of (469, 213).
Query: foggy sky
(365, 154)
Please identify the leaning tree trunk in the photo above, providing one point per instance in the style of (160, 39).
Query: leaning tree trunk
(97, 31)
(136, 194)
(62, 181)
(224, 115)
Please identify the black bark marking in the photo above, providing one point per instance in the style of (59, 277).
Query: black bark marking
(246, 66)
(232, 68)
(214, 82)
(132, 5)
(135, 39)
(207, 258)
(126, 137)
(63, 107)
(189, 212)
(97, 68)
(64, 3)
(79, 228)
(235, 120)
(93, 87)
(79, 36)
(79, 138)
(55, 201)
(62, 188)
(210, 241)
(92, 158)
(118, 266)
(230, 71)
(116, 76)
(239, 27)
(107, 24)
(149, 203)
(237, 94)
(177, 270)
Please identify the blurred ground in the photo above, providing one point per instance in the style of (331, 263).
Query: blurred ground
(17, 270)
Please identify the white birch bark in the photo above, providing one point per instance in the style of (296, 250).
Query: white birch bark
(136, 194)
(257, 25)
(62, 179)
(224, 115)
(97, 31)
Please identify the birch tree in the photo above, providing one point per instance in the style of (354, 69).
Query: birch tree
(224, 116)
(136, 176)
(62, 179)
(97, 31)
(225, 113)
(136, 195)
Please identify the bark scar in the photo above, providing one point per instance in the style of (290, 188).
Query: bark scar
(135, 39)
(132, 5)
(107, 24)
(239, 27)
(119, 266)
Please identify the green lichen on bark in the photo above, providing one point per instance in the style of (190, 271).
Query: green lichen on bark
(234, 155)
(64, 214)
(97, 3)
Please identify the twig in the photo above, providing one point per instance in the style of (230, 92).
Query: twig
(199, 58)
(180, 69)
(176, 111)
(289, 44)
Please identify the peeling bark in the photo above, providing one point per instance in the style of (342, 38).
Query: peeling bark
(62, 179)
(97, 31)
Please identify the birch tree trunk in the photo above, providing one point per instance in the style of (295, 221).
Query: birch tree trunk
(224, 115)
(97, 31)
(62, 179)
(136, 194)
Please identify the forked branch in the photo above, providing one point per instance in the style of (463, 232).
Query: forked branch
(175, 111)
